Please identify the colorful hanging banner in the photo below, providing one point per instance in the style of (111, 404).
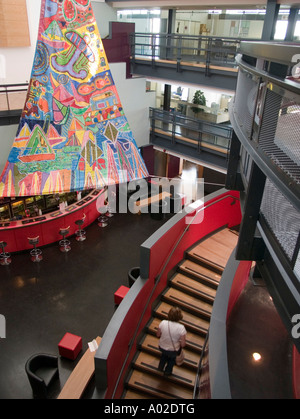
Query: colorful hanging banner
(73, 134)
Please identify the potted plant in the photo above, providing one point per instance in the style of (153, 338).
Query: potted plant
(198, 99)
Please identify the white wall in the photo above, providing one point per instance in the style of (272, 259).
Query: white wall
(132, 92)
(16, 63)
(7, 136)
(136, 102)
(134, 98)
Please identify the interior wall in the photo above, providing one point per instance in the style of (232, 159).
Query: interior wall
(10, 73)
(136, 102)
(134, 98)
(7, 136)
(14, 26)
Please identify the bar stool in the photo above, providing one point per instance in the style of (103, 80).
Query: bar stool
(102, 220)
(109, 213)
(64, 243)
(4, 257)
(35, 253)
(80, 234)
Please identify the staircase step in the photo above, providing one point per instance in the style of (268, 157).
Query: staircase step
(157, 387)
(194, 341)
(227, 239)
(193, 287)
(190, 321)
(187, 302)
(150, 344)
(135, 395)
(215, 251)
(200, 273)
(149, 363)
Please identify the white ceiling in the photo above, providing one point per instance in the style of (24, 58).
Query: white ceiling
(193, 4)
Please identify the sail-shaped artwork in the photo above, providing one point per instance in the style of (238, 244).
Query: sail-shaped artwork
(73, 133)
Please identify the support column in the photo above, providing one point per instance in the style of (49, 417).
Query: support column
(293, 16)
(171, 21)
(250, 245)
(233, 178)
(270, 20)
(167, 97)
(170, 30)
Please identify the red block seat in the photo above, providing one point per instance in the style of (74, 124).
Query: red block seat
(70, 346)
(120, 294)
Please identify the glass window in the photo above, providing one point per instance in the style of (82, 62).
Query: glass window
(18, 208)
(282, 23)
(4, 213)
(297, 29)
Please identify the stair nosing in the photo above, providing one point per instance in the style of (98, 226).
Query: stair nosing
(196, 319)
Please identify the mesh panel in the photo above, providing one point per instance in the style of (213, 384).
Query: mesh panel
(246, 163)
(246, 88)
(297, 267)
(280, 133)
(282, 217)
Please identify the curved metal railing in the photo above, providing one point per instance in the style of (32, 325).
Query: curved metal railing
(157, 281)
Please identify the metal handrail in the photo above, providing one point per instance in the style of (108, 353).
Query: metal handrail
(180, 47)
(196, 386)
(157, 281)
(192, 125)
(12, 88)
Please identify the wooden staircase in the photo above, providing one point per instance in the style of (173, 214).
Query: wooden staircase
(192, 288)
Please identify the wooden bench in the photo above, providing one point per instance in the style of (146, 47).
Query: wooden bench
(156, 198)
(80, 377)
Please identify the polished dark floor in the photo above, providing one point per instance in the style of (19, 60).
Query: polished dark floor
(255, 327)
(71, 292)
(74, 293)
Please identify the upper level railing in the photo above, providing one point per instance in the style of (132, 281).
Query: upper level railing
(265, 115)
(12, 96)
(196, 132)
(206, 50)
(268, 122)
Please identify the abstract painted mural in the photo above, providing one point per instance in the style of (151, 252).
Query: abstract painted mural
(73, 133)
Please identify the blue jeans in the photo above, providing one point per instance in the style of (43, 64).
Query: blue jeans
(168, 359)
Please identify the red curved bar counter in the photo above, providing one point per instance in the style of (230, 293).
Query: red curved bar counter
(16, 233)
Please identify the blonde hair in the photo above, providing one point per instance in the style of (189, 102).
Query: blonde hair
(175, 314)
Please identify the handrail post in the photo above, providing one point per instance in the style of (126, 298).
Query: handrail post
(153, 45)
(173, 127)
(7, 101)
(132, 47)
(208, 56)
(179, 54)
(196, 386)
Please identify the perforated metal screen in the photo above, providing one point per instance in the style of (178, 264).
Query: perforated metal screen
(282, 218)
(245, 100)
(279, 136)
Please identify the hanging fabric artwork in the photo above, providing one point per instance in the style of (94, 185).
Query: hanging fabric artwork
(73, 134)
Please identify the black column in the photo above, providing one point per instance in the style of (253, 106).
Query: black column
(270, 20)
(293, 16)
(233, 177)
(167, 97)
(250, 245)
